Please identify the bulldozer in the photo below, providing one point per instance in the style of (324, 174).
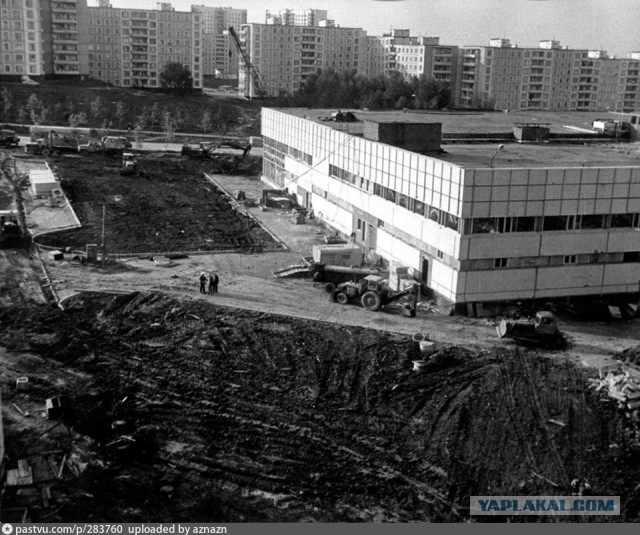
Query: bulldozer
(129, 164)
(542, 330)
(373, 292)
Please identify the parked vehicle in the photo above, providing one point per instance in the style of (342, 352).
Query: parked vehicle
(53, 144)
(108, 144)
(373, 292)
(8, 138)
(52, 140)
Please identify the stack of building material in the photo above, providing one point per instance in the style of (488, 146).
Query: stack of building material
(620, 386)
(43, 182)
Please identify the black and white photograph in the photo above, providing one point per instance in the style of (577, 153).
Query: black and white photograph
(267, 263)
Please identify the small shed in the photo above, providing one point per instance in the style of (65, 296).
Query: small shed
(417, 136)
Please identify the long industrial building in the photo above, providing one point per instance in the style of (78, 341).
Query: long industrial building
(473, 222)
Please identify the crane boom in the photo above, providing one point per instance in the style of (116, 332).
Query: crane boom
(251, 69)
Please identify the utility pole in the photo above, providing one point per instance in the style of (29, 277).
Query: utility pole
(104, 240)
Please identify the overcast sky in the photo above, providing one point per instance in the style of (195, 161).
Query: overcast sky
(612, 25)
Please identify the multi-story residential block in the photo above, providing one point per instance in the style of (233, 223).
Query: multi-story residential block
(219, 53)
(471, 228)
(296, 17)
(549, 77)
(130, 48)
(125, 47)
(30, 36)
(286, 55)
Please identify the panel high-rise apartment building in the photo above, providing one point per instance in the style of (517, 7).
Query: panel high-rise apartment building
(124, 47)
(219, 53)
(286, 55)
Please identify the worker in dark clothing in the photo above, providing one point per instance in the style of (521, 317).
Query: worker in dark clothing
(203, 283)
(213, 283)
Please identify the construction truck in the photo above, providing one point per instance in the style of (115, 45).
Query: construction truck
(541, 330)
(53, 143)
(106, 145)
(197, 150)
(214, 152)
(373, 292)
(129, 164)
(8, 138)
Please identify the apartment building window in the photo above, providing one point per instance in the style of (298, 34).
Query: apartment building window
(439, 254)
(570, 259)
(500, 262)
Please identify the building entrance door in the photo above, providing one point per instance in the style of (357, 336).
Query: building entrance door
(424, 275)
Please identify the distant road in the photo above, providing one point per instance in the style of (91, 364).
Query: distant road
(154, 146)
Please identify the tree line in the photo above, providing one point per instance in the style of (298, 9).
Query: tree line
(330, 89)
(106, 115)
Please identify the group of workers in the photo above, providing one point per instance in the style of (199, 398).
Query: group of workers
(212, 278)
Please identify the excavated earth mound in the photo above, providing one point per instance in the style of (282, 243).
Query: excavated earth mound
(200, 413)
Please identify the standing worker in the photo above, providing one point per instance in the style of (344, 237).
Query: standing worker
(213, 283)
(203, 283)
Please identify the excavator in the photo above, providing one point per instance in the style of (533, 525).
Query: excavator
(373, 292)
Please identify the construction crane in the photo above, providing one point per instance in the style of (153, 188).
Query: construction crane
(251, 69)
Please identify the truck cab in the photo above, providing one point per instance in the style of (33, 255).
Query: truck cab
(8, 138)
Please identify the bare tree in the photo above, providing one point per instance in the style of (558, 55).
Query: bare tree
(120, 113)
(168, 127)
(206, 123)
(137, 136)
(7, 101)
(96, 108)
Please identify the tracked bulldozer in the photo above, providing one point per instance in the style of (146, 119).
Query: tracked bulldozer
(541, 330)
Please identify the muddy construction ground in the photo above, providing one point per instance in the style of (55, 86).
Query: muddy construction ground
(178, 406)
(168, 207)
(195, 412)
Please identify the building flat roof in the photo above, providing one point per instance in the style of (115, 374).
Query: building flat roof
(524, 155)
(455, 124)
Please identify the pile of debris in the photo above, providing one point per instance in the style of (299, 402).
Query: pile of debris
(622, 386)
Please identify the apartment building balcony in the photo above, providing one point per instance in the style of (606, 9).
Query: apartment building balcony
(139, 32)
(64, 28)
(66, 69)
(64, 17)
(65, 60)
(63, 8)
(64, 48)
(138, 48)
(137, 40)
(65, 39)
